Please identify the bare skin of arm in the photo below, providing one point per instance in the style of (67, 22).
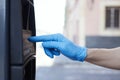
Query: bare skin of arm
(109, 58)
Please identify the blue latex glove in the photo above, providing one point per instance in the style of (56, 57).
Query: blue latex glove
(56, 43)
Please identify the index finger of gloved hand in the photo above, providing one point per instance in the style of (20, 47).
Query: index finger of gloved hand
(52, 37)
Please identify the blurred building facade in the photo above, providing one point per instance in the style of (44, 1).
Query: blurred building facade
(93, 23)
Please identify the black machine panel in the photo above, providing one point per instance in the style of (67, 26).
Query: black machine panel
(4, 40)
(17, 23)
(22, 26)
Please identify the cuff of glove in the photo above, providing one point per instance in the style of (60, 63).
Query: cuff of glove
(82, 54)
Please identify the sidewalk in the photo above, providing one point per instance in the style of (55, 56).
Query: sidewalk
(76, 71)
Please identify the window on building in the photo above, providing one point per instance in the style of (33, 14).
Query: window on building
(112, 17)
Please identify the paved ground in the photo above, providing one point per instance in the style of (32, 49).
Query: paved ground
(76, 71)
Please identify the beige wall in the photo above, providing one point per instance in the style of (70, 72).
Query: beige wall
(84, 17)
(95, 18)
(75, 21)
(72, 18)
(92, 19)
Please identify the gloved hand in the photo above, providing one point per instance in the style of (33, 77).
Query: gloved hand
(56, 43)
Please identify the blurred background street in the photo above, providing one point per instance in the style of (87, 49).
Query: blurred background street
(89, 23)
(76, 72)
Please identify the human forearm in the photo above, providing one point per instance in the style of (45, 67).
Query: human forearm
(104, 57)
